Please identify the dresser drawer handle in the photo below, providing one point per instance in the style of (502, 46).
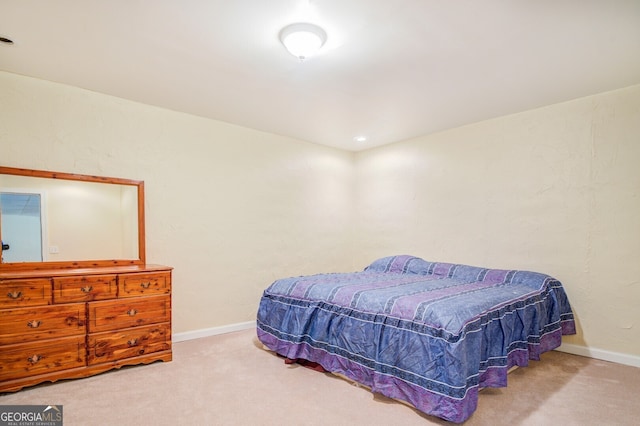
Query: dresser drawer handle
(34, 358)
(86, 289)
(145, 285)
(131, 312)
(132, 342)
(14, 295)
(34, 324)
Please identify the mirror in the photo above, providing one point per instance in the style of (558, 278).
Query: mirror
(61, 220)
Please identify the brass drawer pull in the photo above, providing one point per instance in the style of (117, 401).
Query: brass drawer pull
(34, 324)
(145, 285)
(132, 342)
(86, 289)
(14, 295)
(34, 358)
(131, 312)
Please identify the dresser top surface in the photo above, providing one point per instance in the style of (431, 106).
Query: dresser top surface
(127, 269)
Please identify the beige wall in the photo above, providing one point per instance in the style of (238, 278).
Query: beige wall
(556, 190)
(231, 209)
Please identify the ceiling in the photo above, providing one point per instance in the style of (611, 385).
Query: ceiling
(390, 70)
(20, 204)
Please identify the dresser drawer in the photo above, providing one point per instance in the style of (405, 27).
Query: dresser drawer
(133, 285)
(129, 343)
(84, 289)
(17, 361)
(39, 323)
(134, 312)
(27, 292)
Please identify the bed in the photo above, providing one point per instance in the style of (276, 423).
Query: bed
(426, 333)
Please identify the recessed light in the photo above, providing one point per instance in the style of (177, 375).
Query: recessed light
(360, 139)
(5, 40)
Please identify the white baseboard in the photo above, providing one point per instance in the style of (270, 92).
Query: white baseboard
(616, 357)
(213, 331)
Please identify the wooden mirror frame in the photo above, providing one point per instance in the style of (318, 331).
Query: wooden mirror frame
(20, 266)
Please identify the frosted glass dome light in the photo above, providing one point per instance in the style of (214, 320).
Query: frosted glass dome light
(303, 40)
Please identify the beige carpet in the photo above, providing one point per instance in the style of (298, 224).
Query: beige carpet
(229, 380)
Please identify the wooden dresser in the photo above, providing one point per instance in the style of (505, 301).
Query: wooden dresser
(71, 323)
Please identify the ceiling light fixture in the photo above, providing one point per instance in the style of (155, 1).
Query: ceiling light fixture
(303, 40)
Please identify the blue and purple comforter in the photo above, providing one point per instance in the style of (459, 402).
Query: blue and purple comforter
(431, 334)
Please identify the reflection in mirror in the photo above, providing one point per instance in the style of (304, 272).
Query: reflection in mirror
(54, 217)
(22, 226)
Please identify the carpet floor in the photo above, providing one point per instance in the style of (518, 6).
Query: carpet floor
(230, 380)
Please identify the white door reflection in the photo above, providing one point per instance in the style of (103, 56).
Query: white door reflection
(21, 226)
